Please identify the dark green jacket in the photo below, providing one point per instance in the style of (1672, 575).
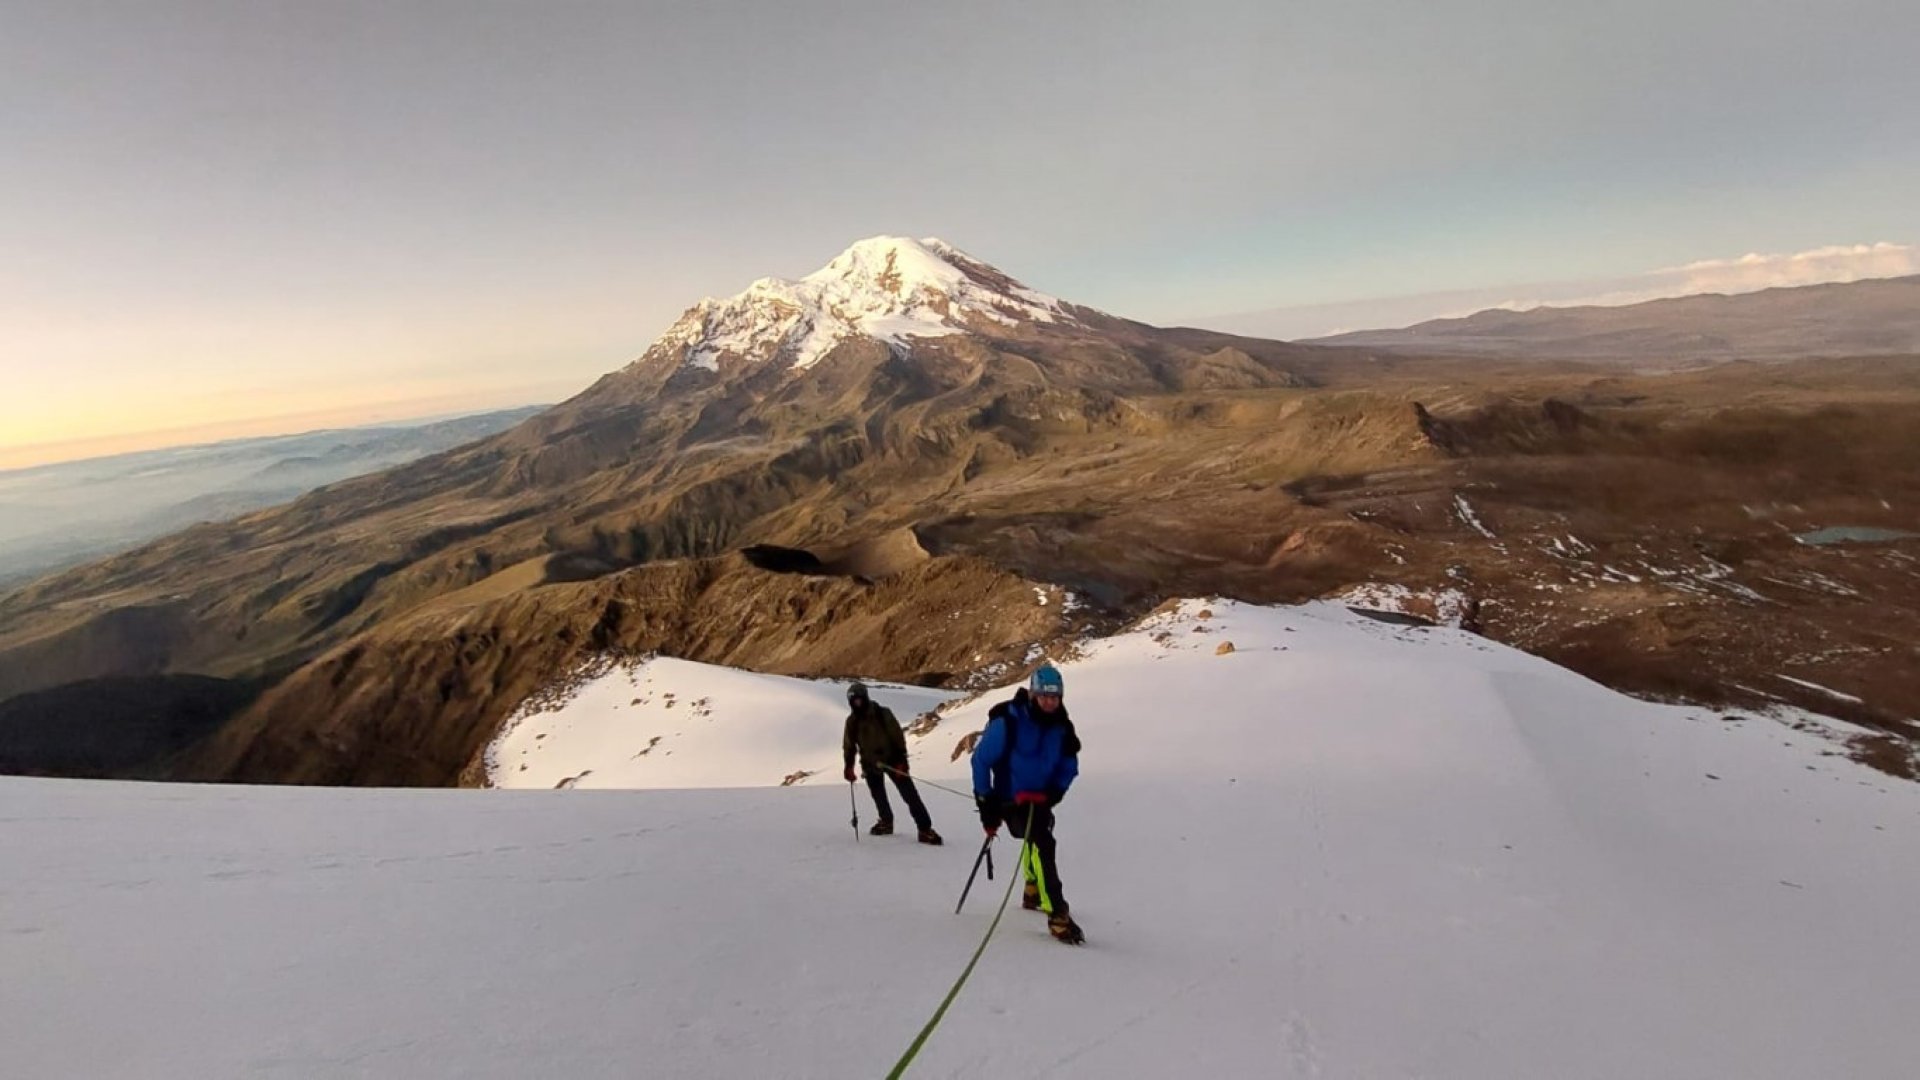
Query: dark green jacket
(876, 735)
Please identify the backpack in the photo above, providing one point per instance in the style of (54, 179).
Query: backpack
(1069, 743)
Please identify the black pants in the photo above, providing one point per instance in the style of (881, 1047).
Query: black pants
(1041, 864)
(908, 794)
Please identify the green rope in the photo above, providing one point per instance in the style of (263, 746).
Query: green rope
(900, 1067)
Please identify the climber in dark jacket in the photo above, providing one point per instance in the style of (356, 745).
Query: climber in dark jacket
(874, 735)
(1023, 764)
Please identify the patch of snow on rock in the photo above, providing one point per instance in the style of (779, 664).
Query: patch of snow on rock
(1445, 607)
(1471, 519)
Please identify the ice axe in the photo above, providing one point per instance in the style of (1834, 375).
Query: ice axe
(854, 805)
(986, 853)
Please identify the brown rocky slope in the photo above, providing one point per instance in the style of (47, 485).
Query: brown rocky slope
(414, 701)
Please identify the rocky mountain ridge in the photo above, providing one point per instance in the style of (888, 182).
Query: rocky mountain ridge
(1876, 317)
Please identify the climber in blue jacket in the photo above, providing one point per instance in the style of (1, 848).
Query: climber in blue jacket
(1023, 764)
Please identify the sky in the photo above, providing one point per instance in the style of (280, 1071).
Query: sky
(222, 218)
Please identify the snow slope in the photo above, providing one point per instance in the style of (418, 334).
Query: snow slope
(666, 723)
(1343, 849)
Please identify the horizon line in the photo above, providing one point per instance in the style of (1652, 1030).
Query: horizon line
(409, 412)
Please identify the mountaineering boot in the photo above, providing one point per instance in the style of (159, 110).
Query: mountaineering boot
(1064, 929)
(881, 828)
(928, 836)
(1030, 897)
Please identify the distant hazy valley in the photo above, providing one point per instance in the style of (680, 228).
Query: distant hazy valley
(55, 516)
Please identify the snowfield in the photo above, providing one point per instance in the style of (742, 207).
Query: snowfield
(665, 723)
(1342, 848)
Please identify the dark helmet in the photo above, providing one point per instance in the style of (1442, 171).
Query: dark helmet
(857, 694)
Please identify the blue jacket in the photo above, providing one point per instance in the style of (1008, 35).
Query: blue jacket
(1024, 749)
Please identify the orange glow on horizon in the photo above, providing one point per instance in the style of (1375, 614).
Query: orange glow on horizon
(29, 455)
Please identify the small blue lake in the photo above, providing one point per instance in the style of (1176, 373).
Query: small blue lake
(1852, 534)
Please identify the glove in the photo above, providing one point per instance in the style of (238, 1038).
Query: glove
(1033, 798)
(1054, 795)
(849, 774)
(989, 814)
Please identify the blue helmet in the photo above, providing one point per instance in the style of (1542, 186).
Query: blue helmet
(1046, 680)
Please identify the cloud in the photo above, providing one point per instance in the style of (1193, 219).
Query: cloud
(1835, 263)
(1748, 273)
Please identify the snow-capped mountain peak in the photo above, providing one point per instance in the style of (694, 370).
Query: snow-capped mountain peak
(888, 288)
